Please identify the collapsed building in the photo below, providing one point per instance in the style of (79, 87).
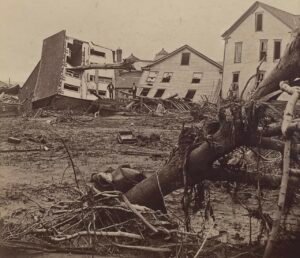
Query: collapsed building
(54, 82)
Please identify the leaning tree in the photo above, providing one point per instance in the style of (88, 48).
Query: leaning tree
(238, 124)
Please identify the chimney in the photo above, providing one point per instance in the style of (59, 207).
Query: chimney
(119, 55)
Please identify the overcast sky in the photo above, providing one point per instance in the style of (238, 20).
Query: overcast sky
(141, 27)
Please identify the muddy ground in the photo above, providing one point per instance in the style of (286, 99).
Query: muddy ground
(37, 171)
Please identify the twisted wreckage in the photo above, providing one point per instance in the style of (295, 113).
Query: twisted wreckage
(137, 210)
(239, 124)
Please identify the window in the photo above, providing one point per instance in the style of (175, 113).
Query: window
(238, 52)
(167, 77)
(235, 77)
(190, 94)
(259, 22)
(260, 77)
(277, 49)
(73, 74)
(144, 92)
(151, 77)
(234, 88)
(197, 77)
(97, 53)
(185, 58)
(71, 87)
(263, 48)
(100, 92)
(159, 93)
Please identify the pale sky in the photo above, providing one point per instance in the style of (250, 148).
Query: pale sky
(141, 27)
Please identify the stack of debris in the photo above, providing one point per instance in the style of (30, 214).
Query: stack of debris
(159, 106)
(99, 222)
(9, 105)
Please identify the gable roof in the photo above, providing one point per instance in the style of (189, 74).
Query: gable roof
(180, 49)
(290, 20)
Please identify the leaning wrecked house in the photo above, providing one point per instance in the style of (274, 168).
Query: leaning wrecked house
(54, 81)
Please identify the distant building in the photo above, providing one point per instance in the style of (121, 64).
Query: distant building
(125, 79)
(185, 72)
(53, 79)
(261, 34)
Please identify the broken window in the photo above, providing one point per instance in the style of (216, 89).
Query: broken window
(185, 58)
(167, 77)
(277, 49)
(144, 92)
(100, 92)
(197, 77)
(159, 93)
(259, 22)
(151, 77)
(238, 52)
(97, 53)
(234, 88)
(72, 73)
(71, 87)
(260, 77)
(75, 53)
(263, 48)
(190, 94)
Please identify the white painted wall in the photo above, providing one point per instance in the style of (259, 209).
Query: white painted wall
(84, 81)
(181, 80)
(273, 29)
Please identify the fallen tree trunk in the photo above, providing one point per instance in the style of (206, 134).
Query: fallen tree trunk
(233, 132)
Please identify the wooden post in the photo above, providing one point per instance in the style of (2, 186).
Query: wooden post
(287, 119)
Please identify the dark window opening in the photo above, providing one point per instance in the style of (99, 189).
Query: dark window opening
(72, 73)
(167, 77)
(100, 92)
(71, 87)
(234, 88)
(260, 76)
(277, 49)
(259, 22)
(185, 59)
(190, 94)
(235, 77)
(238, 52)
(74, 53)
(144, 92)
(159, 93)
(197, 77)
(97, 53)
(263, 48)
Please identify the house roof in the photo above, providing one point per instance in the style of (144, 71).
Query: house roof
(180, 49)
(133, 58)
(290, 20)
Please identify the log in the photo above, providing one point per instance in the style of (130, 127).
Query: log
(232, 133)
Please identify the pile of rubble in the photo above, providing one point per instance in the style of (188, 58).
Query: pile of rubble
(159, 106)
(11, 99)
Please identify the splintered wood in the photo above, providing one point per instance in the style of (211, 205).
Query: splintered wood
(287, 120)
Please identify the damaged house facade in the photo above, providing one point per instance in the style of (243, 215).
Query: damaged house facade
(125, 79)
(184, 72)
(259, 36)
(53, 82)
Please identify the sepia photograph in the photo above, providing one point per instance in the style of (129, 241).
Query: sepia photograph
(161, 128)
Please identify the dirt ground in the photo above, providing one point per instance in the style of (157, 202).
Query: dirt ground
(37, 171)
(40, 162)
